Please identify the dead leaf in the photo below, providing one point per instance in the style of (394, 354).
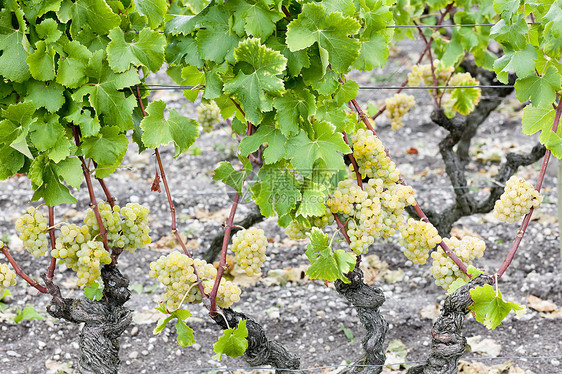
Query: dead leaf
(394, 276)
(430, 312)
(540, 305)
(217, 216)
(487, 346)
(395, 354)
(282, 276)
(57, 367)
(460, 233)
(544, 218)
(556, 314)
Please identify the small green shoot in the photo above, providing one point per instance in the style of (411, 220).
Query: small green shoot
(233, 343)
(94, 292)
(185, 333)
(347, 332)
(28, 313)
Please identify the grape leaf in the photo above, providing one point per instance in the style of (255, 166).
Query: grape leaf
(324, 263)
(537, 118)
(331, 32)
(254, 85)
(232, 177)
(459, 282)
(48, 95)
(541, 90)
(52, 190)
(72, 69)
(233, 343)
(147, 50)
(42, 62)
(346, 92)
(488, 307)
(93, 292)
(325, 147)
(154, 10)
(90, 15)
(13, 48)
(268, 135)
(512, 36)
(522, 62)
(291, 107)
(465, 99)
(278, 191)
(256, 18)
(215, 41)
(157, 130)
(82, 117)
(185, 334)
(314, 196)
(44, 135)
(162, 323)
(107, 148)
(28, 313)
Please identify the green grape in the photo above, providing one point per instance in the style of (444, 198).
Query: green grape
(250, 246)
(90, 257)
(517, 200)
(68, 243)
(296, 231)
(418, 237)
(397, 107)
(422, 74)
(208, 115)
(111, 221)
(134, 227)
(32, 227)
(7, 275)
(371, 157)
(444, 270)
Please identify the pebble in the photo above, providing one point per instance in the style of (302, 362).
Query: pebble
(312, 350)
(41, 344)
(196, 346)
(134, 331)
(555, 362)
(145, 353)
(178, 352)
(133, 355)
(13, 354)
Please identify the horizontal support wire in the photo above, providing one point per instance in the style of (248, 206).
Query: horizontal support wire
(204, 369)
(157, 87)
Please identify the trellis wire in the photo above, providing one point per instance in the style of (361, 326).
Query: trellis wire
(249, 368)
(164, 87)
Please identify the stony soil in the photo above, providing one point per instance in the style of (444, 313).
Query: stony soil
(307, 316)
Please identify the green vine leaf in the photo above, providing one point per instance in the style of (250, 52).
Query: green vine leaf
(14, 46)
(93, 292)
(257, 80)
(489, 308)
(541, 90)
(153, 10)
(332, 34)
(324, 263)
(268, 135)
(147, 50)
(233, 343)
(278, 191)
(107, 148)
(226, 173)
(158, 130)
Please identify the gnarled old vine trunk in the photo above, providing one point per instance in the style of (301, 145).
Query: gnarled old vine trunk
(447, 343)
(261, 350)
(367, 300)
(105, 321)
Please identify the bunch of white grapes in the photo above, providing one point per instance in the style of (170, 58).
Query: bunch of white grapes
(250, 246)
(444, 270)
(208, 115)
(296, 231)
(32, 227)
(176, 272)
(7, 275)
(422, 74)
(371, 157)
(134, 227)
(517, 200)
(418, 237)
(111, 221)
(397, 107)
(346, 195)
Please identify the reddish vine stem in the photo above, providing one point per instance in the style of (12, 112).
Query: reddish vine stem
(222, 262)
(171, 203)
(538, 186)
(108, 195)
(418, 210)
(53, 264)
(354, 163)
(427, 47)
(21, 273)
(341, 227)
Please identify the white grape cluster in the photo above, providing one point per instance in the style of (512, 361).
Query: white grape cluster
(208, 115)
(422, 75)
(176, 272)
(444, 270)
(111, 221)
(297, 230)
(371, 157)
(32, 227)
(134, 227)
(418, 237)
(346, 195)
(7, 275)
(75, 248)
(397, 107)
(517, 200)
(250, 246)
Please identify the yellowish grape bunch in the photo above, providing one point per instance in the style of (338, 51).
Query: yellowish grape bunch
(111, 221)
(68, 243)
(444, 270)
(296, 231)
(345, 196)
(175, 271)
(517, 200)
(422, 75)
(249, 246)
(134, 227)
(32, 227)
(397, 107)
(418, 237)
(208, 115)
(371, 157)
(90, 257)
(7, 275)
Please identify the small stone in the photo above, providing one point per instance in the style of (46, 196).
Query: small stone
(41, 344)
(331, 338)
(178, 352)
(555, 362)
(165, 339)
(327, 348)
(56, 357)
(145, 353)
(312, 350)
(13, 354)
(133, 355)
(196, 346)
(134, 331)
(321, 313)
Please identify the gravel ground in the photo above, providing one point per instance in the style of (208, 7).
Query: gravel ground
(307, 316)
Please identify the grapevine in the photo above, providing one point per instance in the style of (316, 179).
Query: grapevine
(250, 246)
(397, 107)
(517, 200)
(32, 227)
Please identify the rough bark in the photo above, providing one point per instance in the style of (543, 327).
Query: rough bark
(447, 343)
(104, 321)
(216, 244)
(367, 300)
(261, 351)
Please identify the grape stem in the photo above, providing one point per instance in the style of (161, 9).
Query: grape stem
(341, 228)
(110, 198)
(354, 163)
(171, 203)
(538, 186)
(20, 272)
(53, 263)
(427, 47)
